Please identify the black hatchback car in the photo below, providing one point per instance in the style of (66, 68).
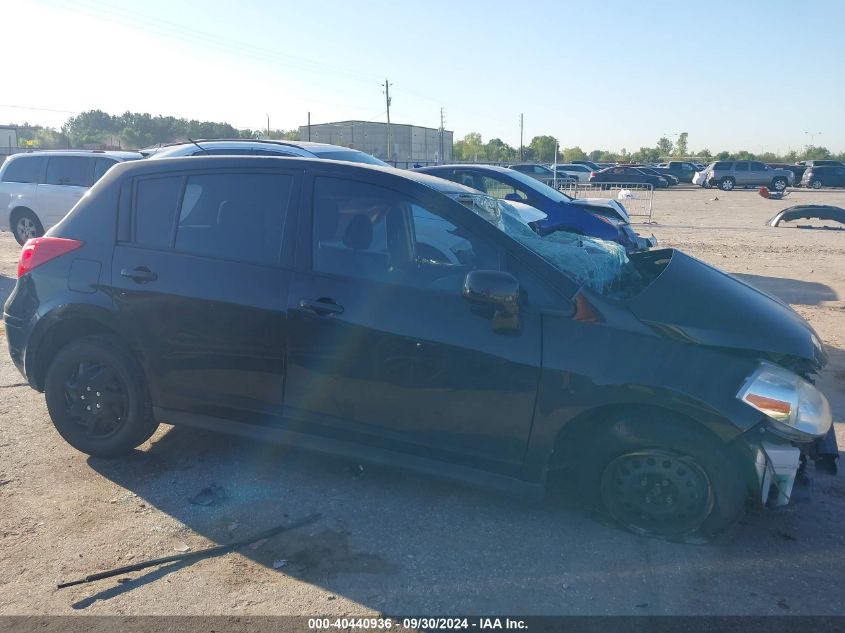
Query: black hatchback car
(402, 318)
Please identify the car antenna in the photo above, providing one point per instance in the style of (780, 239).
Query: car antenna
(198, 145)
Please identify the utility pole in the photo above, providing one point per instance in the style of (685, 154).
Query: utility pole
(309, 126)
(268, 126)
(387, 101)
(442, 127)
(520, 137)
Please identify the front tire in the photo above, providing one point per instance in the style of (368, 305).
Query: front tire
(25, 225)
(779, 184)
(97, 397)
(727, 184)
(665, 478)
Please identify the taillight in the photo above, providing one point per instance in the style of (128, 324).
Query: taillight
(41, 250)
(593, 174)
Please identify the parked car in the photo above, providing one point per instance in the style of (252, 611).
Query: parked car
(728, 174)
(38, 188)
(628, 175)
(581, 173)
(682, 170)
(587, 163)
(823, 176)
(594, 217)
(821, 163)
(304, 149)
(700, 179)
(797, 171)
(662, 382)
(659, 171)
(538, 172)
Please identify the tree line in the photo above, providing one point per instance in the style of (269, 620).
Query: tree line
(541, 149)
(135, 130)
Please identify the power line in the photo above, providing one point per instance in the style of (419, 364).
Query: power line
(170, 29)
(23, 107)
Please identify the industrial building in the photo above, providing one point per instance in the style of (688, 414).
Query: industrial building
(409, 144)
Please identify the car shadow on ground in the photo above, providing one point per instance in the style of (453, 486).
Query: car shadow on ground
(793, 291)
(397, 542)
(378, 525)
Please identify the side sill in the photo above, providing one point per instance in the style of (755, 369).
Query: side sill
(477, 478)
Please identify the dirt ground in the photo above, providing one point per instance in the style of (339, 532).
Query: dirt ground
(398, 543)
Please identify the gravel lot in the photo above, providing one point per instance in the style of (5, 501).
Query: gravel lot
(399, 543)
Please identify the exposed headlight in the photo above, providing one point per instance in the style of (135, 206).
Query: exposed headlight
(796, 408)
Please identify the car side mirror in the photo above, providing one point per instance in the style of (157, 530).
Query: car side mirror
(513, 197)
(498, 290)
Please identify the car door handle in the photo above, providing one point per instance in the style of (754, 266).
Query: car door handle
(322, 306)
(141, 275)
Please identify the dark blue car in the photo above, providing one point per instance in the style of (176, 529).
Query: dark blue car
(594, 217)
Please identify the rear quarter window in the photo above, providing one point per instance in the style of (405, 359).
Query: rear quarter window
(25, 169)
(722, 165)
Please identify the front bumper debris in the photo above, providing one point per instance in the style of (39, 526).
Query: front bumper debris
(777, 465)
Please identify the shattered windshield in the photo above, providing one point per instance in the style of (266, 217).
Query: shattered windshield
(600, 265)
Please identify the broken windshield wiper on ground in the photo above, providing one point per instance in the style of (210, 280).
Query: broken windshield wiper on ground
(191, 556)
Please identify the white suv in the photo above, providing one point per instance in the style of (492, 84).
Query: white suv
(37, 189)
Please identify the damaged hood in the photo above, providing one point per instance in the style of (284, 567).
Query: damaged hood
(613, 207)
(695, 302)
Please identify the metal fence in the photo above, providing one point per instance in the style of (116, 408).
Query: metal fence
(637, 198)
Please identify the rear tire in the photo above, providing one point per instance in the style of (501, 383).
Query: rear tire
(816, 184)
(25, 225)
(779, 184)
(97, 397)
(727, 184)
(664, 478)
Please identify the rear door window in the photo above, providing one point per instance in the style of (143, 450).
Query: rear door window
(25, 169)
(236, 216)
(70, 171)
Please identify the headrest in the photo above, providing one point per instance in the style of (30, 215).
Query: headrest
(359, 233)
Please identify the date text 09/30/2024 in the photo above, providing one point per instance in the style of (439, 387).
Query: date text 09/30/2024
(427, 623)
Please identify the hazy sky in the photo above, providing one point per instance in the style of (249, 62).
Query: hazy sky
(749, 74)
